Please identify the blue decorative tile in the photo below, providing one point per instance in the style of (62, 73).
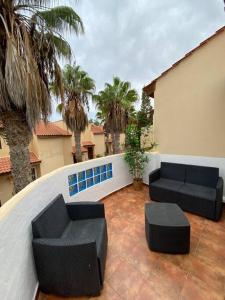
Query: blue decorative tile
(103, 176)
(73, 190)
(89, 173)
(72, 179)
(109, 174)
(103, 168)
(81, 176)
(90, 182)
(109, 167)
(85, 179)
(97, 179)
(82, 185)
(96, 170)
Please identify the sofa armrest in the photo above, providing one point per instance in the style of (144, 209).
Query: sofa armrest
(63, 266)
(154, 175)
(85, 210)
(219, 198)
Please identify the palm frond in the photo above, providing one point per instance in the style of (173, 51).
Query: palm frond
(62, 18)
(60, 108)
(62, 47)
(116, 104)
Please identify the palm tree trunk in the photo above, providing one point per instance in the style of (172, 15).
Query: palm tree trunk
(107, 144)
(18, 136)
(113, 142)
(77, 135)
(117, 142)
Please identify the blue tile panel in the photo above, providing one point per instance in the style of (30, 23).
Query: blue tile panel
(87, 178)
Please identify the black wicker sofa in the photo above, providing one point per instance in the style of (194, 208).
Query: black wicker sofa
(195, 189)
(69, 247)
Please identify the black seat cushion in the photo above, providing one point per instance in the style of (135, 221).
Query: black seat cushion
(200, 175)
(52, 221)
(89, 230)
(173, 171)
(165, 190)
(165, 214)
(198, 191)
(85, 230)
(168, 184)
(198, 199)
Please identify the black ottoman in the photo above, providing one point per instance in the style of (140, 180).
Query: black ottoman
(167, 228)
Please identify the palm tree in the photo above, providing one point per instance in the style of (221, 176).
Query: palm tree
(78, 86)
(30, 46)
(116, 104)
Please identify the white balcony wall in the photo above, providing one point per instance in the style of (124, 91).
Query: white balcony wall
(17, 272)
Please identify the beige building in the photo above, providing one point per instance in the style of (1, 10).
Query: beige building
(93, 141)
(50, 149)
(189, 116)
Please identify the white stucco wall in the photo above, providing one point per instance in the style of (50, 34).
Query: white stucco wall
(17, 273)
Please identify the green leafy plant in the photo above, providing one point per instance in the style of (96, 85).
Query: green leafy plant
(134, 154)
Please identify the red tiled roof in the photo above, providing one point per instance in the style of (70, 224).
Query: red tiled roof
(50, 129)
(87, 143)
(150, 88)
(83, 149)
(5, 164)
(97, 129)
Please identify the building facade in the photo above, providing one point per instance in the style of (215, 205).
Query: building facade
(52, 147)
(190, 102)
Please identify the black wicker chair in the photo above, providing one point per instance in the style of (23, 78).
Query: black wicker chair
(70, 246)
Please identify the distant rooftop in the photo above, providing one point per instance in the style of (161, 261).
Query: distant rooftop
(87, 143)
(97, 129)
(83, 149)
(5, 164)
(50, 129)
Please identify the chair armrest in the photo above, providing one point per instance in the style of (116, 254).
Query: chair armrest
(219, 198)
(154, 175)
(85, 210)
(63, 265)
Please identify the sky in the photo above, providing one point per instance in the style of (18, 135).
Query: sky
(139, 39)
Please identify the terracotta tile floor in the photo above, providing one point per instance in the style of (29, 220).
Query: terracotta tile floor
(134, 272)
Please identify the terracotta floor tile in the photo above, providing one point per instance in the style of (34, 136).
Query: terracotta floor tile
(112, 264)
(143, 260)
(107, 294)
(134, 272)
(196, 289)
(126, 281)
(171, 276)
(147, 292)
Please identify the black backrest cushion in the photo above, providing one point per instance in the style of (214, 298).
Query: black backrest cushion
(207, 176)
(172, 171)
(51, 221)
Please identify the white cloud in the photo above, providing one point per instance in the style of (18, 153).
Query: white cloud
(137, 40)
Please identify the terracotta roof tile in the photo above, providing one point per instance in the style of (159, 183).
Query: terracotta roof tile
(87, 143)
(150, 88)
(97, 129)
(5, 164)
(50, 129)
(83, 149)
